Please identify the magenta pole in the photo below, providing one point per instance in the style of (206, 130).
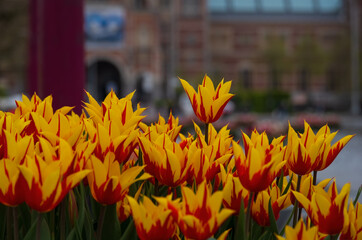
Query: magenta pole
(56, 51)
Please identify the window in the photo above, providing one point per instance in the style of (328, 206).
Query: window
(216, 5)
(245, 78)
(303, 80)
(191, 7)
(302, 5)
(327, 6)
(244, 5)
(273, 5)
(141, 4)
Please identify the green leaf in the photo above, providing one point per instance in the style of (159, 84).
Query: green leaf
(273, 222)
(44, 230)
(25, 219)
(111, 226)
(130, 232)
(266, 236)
(281, 179)
(72, 235)
(88, 227)
(357, 196)
(288, 221)
(31, 234)
(288, 185)
(79, 222)
(240, 223)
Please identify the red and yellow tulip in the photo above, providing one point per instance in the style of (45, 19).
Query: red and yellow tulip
(327, 210)
(165, 160)
(233, 192)
(300, 232)
(12, 183)
(199, 215)
(109, 139)
(328, 153)
(49, 175)
(309, 152)
(171, 127)
(260, 206)
(306, 185)
(107, 183)
(208, 103)
(261, 162)
(353, 230)
(42, 108)
(115, 109)
(152, 221)
(206, 158)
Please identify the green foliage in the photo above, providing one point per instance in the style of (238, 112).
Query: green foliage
(261, 101)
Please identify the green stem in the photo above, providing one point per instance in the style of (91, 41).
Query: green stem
(156, 193)
(9, 223)
(315, 177)
(15, 222)
(295, 217)
(102, 213)
(62, 219)
(207, 133)
(38, 226)
(248, 215)
(52, 224)
(333, 237)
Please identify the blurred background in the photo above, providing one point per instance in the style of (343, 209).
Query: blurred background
(282, 55)
(289, 60)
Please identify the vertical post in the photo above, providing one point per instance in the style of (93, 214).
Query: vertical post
(56, 51)
(355, 82)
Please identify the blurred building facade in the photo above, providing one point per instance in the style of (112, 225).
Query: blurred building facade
(302, 47)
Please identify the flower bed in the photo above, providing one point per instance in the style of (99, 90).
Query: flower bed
(104, 174)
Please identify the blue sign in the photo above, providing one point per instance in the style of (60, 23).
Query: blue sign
(104, 25)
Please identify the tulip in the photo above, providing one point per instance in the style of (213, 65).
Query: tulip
(68, 127)
(171, 127)
(328, 153)
(220, 141)
(208, 103)
(306, 185)
(165, 160)
(114, 109)
(152, 221)
(204, 163)
(261, 162)
(300, 232)
(260, 207)
(109, 139)
(233, 192)
(49, 175)
(353, 230)
(42, 108)
(312, 152)
(12, 143)
(12, 183)
(327, 210)
(115, 125)
(107, 183)
(199, 215)
(302, 152)
(206, 158)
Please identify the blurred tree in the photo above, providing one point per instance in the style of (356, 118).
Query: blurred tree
(274, 54)
(13, 40)
(339, 64)
(309, 59)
